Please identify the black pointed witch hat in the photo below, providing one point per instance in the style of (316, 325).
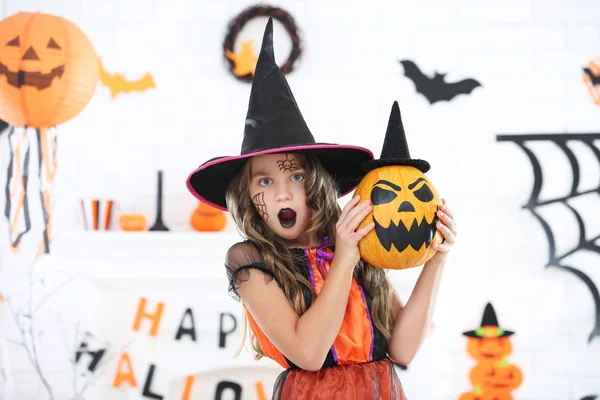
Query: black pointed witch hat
(395, 148)
(274, 124)
(489, 320)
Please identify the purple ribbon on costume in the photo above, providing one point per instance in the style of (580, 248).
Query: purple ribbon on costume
(322, 255)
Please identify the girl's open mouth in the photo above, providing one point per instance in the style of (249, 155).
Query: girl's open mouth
(287, 217)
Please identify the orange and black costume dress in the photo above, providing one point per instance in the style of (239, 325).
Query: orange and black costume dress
(356, 367)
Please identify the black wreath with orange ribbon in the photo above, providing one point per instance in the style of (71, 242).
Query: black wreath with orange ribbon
(236, 25)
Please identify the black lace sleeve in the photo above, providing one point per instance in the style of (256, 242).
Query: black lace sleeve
(240, 258)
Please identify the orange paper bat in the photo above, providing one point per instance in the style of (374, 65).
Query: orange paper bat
(117, 82)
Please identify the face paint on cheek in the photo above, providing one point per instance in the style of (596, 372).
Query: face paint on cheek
(287, 164)
(259, 203)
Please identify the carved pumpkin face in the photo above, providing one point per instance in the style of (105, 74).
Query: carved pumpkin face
(489, 349)
(404, 211)
(496, 378)
(48, 70)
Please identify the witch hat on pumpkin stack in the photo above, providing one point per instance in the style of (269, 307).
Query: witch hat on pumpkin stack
(489, 326)
(274, 124)
(395, 147)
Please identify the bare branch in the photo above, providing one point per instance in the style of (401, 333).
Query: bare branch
(13, 341)
(49, 295)
(31, 353)
(103, 365)
(35, 354)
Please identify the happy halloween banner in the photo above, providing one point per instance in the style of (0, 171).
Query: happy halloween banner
(141, 341)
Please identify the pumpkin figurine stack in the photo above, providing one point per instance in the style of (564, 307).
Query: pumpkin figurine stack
(493, 378)
(404, 203)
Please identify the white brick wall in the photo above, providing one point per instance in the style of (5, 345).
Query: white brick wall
(528, 55)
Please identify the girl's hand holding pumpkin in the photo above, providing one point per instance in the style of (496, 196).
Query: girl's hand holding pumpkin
(346, 235)
(447, 227)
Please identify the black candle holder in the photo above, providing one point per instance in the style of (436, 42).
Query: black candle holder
(159, 225)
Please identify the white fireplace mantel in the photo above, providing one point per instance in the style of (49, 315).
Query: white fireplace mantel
(188, 255)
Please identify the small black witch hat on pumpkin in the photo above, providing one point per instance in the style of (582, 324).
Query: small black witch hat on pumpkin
(395, 148)
(274, 124)
(489, 326)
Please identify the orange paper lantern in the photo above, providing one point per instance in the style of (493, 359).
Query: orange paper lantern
(48, 70)
(591, 78)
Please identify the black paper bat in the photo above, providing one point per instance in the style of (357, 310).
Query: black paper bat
(437, 89)
(592, 397)
(593, 78)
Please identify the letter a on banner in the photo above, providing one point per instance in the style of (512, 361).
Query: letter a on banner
(184, 330)
(124, 372)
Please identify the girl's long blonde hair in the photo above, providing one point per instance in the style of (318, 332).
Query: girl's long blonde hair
(322, 200)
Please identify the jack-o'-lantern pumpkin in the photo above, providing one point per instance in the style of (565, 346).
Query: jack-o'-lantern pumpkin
(404, 204)
(48, 70)
(207, 219)
(489, 343)
(496, 378)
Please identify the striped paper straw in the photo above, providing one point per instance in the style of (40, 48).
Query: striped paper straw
(97, 214)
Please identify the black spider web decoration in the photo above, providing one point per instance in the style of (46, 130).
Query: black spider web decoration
(592, 397)
(554, 259)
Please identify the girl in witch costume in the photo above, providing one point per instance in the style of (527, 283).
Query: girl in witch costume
(330, 319)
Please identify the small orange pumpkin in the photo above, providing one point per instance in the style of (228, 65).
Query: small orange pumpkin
(206, 218)
(48, 70)
(404, 203)
(133, 222)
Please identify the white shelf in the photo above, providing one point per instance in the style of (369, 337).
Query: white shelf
(144, 240)
(145, 255)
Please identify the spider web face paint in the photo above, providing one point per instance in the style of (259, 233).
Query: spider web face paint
(289, 164)
(535, 205)
(259, 202)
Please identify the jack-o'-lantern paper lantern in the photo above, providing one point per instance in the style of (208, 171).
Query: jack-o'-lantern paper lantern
(404, 204)
(48, 70)
(591, 78)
